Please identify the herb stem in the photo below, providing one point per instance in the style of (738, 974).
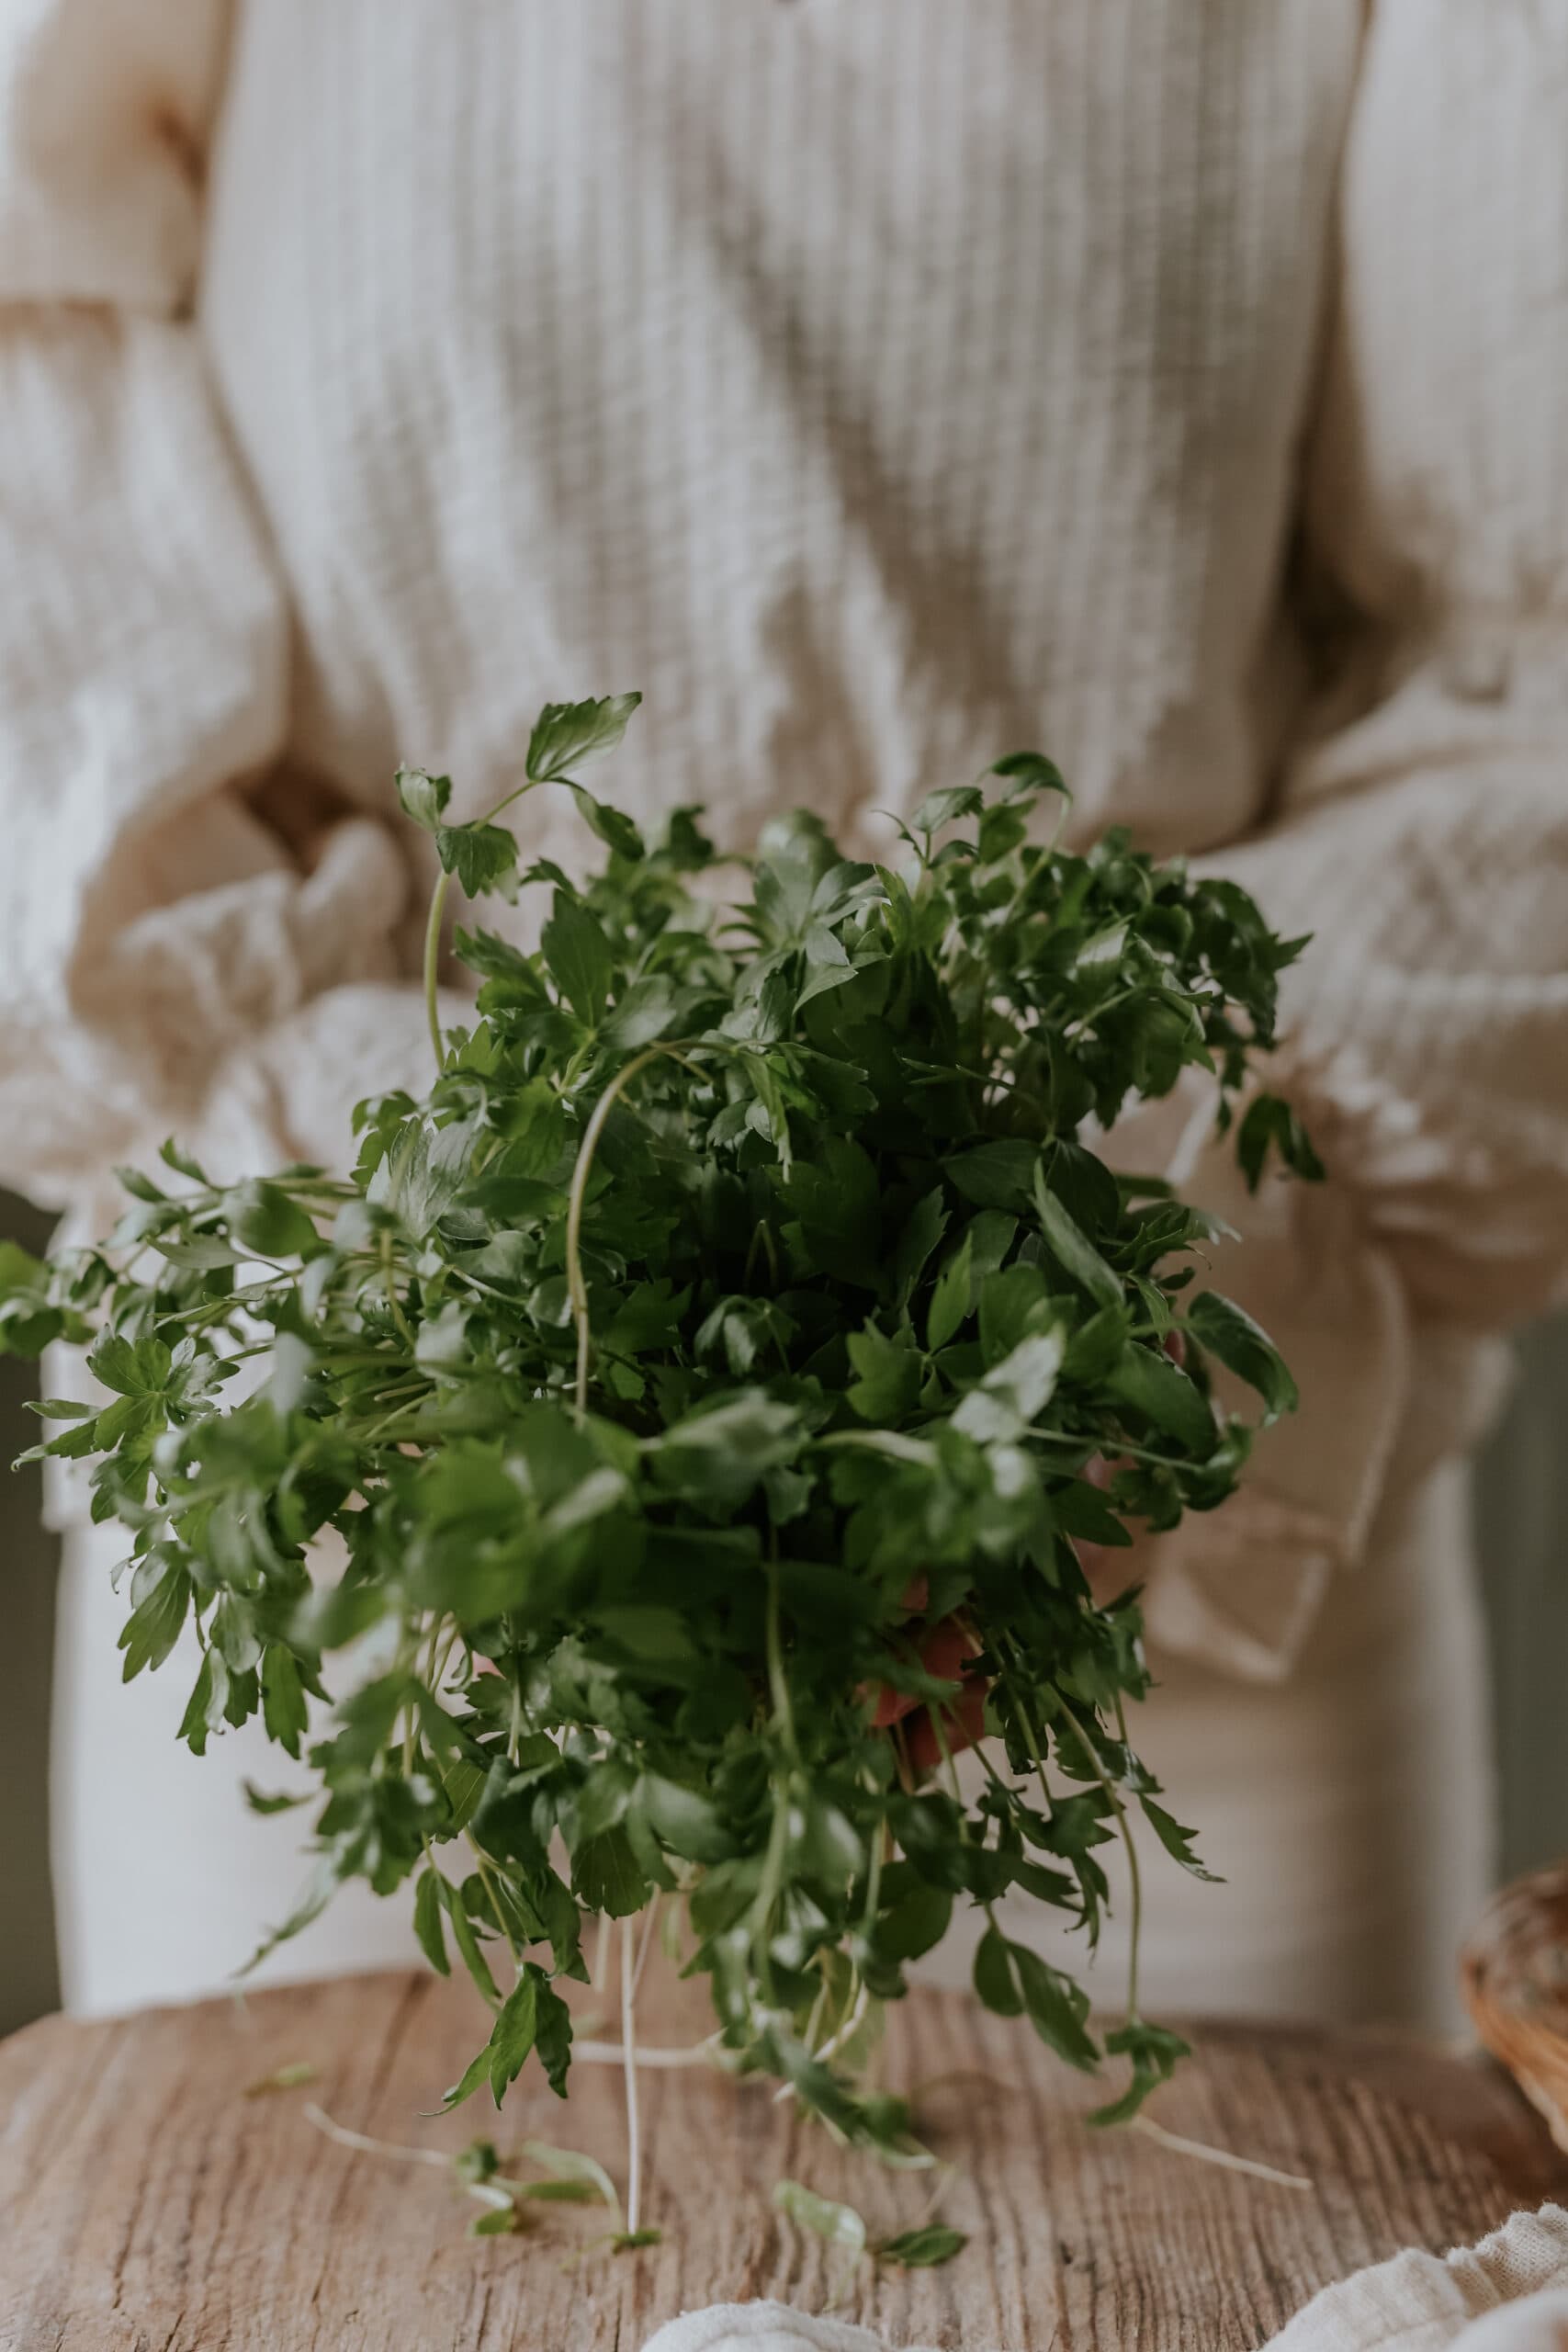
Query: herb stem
(577, 1289)
(432, 967)
(645, 1946)
(486, 1880)
(1135, 1875)
(628, 2060)
(778, 1681)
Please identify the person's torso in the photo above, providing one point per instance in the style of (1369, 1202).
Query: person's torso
(880, 385)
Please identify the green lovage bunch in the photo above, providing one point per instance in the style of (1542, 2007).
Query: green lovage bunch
(740, 1304)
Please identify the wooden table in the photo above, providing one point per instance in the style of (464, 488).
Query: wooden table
(145, 2203)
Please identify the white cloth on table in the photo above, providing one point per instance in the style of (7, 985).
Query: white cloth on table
(1509, 2293)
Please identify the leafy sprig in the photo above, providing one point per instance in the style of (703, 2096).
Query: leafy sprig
(742, 1297)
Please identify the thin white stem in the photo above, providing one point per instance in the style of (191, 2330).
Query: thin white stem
(576, 1288)
(650, 1921)
(611, 2053)
(365, 2145)
(837, 2038)
(629, 2058)
(601, 1941)
(1221, 2156)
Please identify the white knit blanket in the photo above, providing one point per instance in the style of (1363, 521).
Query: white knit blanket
(1509, 2293)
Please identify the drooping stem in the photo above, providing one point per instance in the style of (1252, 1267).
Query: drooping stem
(778, 1681)
(365, 2146)
(1134, 1877)
(629, 2061)
(1181, 2146)
(437, 915)
(577, 1289)
(433, 967)
(486, 1880)
(645, 1946)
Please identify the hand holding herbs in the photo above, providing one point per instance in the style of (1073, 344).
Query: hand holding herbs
(741, 1303)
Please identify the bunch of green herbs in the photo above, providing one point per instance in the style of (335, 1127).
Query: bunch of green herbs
(742, 1299)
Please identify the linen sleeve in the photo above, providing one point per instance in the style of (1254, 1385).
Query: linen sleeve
(168, 937)
(1420, 830)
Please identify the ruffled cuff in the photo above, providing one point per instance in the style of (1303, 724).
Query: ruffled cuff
(1239, 1589)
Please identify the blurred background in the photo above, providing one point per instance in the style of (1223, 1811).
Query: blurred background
(1520, 1505)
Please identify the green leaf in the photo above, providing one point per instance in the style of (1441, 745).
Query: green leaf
(683, 1820)
(579, 957)
(427, 1908)
(154, 1627)
(512, 2041)
(1268, 1125)
(552, 2033)
(946, 805)
(566, 733)
(574, 2170)
(1229, 1332)
(1014, 1392)
(501, 2222)
(1177, 1841)
(917, 1919)
(1072, 1249)
(133, 1368)
(482, 857)
(456, 1907)
(926, 1225)
(1015, 1982)
(888, 1376)
(292, 2077)
(1159, 1390)
(952, 1299)
(28, 1321)
(612, 825)
(995, 1979)
(606, 1876)
(423, 797)
(284, 1712)
(1156, 2054)
(1097, 1346)
(643, 1013)
(922, 2249)
(994, 1175)
(265, 1220)
(1028, 772)
(260, 1802)
(823, 2216)
(1058, 2008)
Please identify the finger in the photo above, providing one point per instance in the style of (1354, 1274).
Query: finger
(944, 1649)
(892, 1706)
(963, 1723)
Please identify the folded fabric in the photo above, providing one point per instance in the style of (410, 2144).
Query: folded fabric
(1509, 2293)
(764, 2327)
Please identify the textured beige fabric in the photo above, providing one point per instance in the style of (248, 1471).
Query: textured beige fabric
(881, 384)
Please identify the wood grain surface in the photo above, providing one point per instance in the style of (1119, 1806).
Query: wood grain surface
(146, 2203)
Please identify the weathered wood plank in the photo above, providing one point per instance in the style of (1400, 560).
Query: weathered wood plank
(146, 2207)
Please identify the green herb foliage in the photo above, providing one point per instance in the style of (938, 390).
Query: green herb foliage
(736, 1272)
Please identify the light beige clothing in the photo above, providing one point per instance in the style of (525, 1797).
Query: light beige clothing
(882, 385)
